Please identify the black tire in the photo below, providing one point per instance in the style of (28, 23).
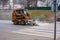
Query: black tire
(16, 23)
(23, 22)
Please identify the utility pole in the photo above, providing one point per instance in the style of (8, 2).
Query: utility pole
(55, 11)
(54, 7)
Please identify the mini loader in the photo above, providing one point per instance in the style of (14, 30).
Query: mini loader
(21, 17)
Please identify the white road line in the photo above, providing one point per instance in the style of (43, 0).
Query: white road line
(33, 34)
(36, 32)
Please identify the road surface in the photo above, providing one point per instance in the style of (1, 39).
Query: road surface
(45, 31)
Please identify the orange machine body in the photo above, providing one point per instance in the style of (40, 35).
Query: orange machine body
(19, 17)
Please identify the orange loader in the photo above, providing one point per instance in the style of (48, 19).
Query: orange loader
(21, 17)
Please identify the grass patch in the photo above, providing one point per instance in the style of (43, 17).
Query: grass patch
(38, 13)
(42, 15)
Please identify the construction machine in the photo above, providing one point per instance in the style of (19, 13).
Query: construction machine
(21, 17)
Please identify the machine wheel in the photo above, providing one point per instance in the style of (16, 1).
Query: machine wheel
(24, 23)
(15, 23)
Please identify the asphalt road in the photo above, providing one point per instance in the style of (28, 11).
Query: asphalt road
(8, 31)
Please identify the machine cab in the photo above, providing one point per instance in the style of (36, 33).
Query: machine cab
(20, 11)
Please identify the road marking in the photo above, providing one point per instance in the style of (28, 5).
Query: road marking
(35, 34)
(37, 31)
